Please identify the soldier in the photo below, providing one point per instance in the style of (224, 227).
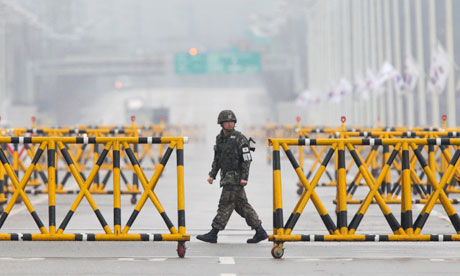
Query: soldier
(232, 157)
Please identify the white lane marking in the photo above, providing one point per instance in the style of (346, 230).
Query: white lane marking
(157, 259)
(437, 260)
(126, 259)
(342, 260)
(309, 260)
(325, 260)
(34, 259)
(22, 208)
(226, 260)
(21, 259)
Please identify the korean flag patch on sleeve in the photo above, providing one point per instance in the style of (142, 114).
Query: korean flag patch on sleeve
(246, 154)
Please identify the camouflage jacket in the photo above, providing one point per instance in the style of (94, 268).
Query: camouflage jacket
(232, 157)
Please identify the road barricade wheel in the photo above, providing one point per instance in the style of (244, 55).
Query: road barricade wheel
(181, 249)
(133, 199)
(277, 252)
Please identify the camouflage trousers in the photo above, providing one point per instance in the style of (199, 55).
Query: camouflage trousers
(233, 197)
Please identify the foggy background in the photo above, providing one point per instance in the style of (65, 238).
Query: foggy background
(99, 62)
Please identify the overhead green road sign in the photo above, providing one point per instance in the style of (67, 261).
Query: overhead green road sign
(228, 62)
(184, 63)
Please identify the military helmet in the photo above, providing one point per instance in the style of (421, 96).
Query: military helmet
(226, 116)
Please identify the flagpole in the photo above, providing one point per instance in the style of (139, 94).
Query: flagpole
(311, 41)
(408, 45)
(421, 110)
(397, 60)
(451, 116)
(360, 62)
(354, 63)
(363, 52)
(380, 59)
(325, 67)
(373, 57)
(433, 43)
(390, 103)
(345, 62)
(334, 44)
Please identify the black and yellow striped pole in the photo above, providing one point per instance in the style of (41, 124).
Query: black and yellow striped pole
(341, 190)
(385, 190)
(52, 186)
(116, 188)
(3, 186)
(431, 164)
(180, 194)
(180, 185)
(277, 192)
(94, 187)
(135, 147)
(406, 200)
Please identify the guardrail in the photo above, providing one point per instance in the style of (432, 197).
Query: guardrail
(112, 147)
(406, 230)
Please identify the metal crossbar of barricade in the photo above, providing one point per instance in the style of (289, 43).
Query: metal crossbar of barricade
(373, 159)
(112, 145)
(406, 230)
(82, 157)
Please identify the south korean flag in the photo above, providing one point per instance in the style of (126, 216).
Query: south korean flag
(246, 153)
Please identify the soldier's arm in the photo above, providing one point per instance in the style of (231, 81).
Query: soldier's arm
(215, 164)
(245, 157)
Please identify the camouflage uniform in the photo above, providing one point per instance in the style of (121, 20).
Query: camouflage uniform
(232, 157)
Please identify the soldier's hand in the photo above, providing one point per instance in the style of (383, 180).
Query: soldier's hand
(243, 182)
(210, 180)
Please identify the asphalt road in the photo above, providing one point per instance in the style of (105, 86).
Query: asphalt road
(231, 255)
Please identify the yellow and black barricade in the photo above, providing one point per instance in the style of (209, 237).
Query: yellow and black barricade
(405, 230)
(114, 145)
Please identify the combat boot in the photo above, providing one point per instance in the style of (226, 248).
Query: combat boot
(211, 236)
(259, 236)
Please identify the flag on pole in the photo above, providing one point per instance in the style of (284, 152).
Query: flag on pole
(360, 91)
(387, 72)
(398, 82)
(304, 98)
(439, 70)
(370, 82)
(410, 74)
